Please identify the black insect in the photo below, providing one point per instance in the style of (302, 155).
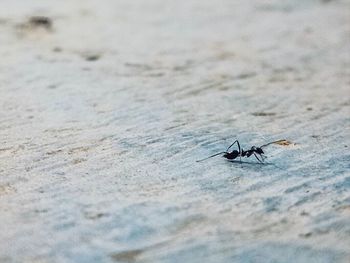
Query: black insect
(256, 151)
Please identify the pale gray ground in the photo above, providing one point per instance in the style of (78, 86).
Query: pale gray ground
(103, 116)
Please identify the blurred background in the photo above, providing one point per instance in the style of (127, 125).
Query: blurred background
(105, 106)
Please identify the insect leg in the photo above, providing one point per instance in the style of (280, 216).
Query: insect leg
(258, 158)
(239, 147)
(210, 156)
(239, 151)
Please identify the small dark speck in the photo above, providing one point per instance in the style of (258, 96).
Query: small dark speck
(52, 86)
(345, 146)
(304, 213)
(57, 49)
(39, 211)
(308, 234)
(246, 75)
(92, 57)
(127, 256)
(41, 21)
(159, 74)
(263, 114)
(309, 108)
(94, 216)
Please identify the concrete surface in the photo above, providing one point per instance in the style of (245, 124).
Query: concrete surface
(106, 106)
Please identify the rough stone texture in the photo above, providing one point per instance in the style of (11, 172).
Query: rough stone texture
(106, 106)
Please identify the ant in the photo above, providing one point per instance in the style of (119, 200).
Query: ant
(256, 151)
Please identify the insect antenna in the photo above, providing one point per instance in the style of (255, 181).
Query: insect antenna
(210, 156)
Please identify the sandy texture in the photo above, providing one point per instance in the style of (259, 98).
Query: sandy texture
(105, 108)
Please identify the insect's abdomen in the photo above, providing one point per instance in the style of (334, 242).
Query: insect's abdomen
(232, 155)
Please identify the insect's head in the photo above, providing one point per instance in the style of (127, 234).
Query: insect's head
(259, 150)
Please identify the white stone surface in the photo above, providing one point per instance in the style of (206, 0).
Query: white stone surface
(103, 116)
